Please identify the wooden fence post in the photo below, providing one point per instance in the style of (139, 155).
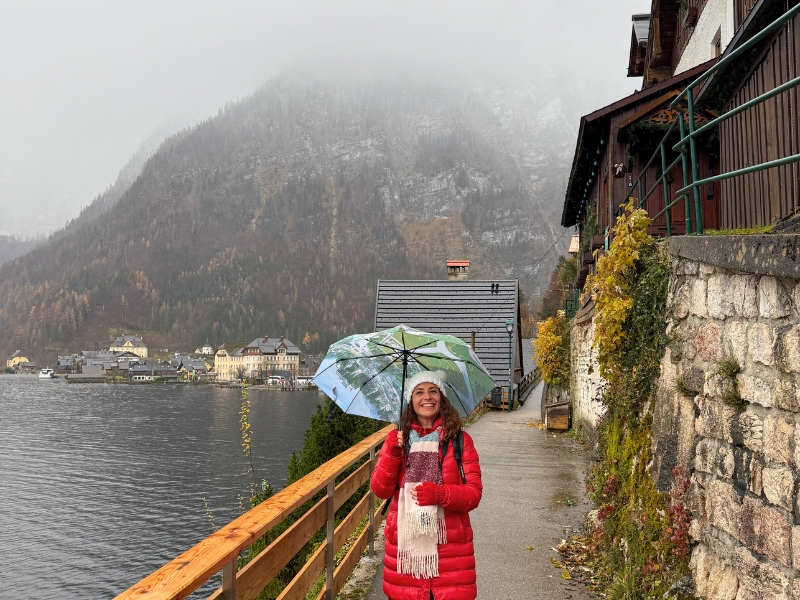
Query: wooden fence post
(329, 549)
(371, 505)
(229, 580)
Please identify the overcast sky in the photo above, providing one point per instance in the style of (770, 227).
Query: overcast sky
(83, 83)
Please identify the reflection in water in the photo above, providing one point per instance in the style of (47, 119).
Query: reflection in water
(102, 484)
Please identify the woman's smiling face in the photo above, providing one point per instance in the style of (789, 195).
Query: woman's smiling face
(425, 399)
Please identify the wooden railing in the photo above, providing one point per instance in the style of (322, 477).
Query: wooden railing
(219, 552)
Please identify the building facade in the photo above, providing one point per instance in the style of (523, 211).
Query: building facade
(129, 343)
(260, 358)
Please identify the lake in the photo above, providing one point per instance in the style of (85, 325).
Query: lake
(102, 484)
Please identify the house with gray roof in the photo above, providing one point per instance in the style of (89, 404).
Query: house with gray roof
(261, 357)
(469, 310)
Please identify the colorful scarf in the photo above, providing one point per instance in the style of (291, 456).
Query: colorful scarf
(420, 528)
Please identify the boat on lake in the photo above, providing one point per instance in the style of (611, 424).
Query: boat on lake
(47, 374)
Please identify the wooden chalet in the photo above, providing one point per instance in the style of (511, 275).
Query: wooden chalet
(671, 47)
(474, 311)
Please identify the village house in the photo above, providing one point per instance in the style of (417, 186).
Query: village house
(618, 152)
(15, 359)
(129, 343)
(484, 314)
(260, 358)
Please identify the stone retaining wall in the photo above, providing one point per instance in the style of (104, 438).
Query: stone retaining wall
(744, 463)
(585, 383)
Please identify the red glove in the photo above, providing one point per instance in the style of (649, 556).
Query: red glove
(429, 493)
(391, 443)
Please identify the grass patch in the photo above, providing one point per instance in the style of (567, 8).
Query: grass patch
(679, 386)
(729, 368)
(743, 231)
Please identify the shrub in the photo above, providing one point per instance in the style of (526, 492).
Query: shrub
(551, 350)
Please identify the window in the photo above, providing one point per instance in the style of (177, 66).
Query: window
(717, 43)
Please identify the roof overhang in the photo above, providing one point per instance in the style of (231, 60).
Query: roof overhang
(593, 137)
(638, 52)
(721, 85)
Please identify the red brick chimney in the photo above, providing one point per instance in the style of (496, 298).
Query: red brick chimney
(457, 270)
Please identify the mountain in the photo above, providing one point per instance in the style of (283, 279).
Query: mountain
(13, 246)
(278, 215)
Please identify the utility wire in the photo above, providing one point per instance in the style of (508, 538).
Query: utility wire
(533, 268)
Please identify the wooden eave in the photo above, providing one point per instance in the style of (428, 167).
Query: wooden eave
(661, 41)
(762, 14)
(595, 127)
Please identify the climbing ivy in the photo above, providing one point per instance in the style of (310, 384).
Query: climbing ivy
(640, 543)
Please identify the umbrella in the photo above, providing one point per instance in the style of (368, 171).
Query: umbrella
(365, 374)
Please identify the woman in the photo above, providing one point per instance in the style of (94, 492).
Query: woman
(429, 551)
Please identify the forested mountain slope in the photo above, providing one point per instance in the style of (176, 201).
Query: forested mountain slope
(278, 215)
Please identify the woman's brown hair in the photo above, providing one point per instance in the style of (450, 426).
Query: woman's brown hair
(451, 421)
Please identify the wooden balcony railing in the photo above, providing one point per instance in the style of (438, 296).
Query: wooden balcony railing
(219, 552)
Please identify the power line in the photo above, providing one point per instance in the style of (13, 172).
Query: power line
(533, 268)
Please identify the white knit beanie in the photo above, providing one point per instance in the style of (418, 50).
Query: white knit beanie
(437, 378)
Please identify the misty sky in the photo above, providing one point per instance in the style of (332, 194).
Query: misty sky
(84, 83)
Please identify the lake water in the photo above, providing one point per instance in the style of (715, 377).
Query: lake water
(102, 484)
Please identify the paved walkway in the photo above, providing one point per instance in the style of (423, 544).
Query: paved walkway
(527, 476)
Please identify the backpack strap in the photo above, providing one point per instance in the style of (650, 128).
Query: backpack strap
(458, 445)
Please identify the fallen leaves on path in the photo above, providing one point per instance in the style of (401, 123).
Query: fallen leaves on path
(576, 561)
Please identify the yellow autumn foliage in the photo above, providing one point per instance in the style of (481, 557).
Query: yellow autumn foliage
(551, 350)
(611, 285)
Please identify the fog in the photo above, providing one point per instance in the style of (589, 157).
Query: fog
(84, 83)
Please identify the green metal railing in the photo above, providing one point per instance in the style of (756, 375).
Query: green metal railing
(688, 135)
(571, 301)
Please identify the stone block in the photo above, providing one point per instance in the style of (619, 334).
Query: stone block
(734, 340)
(786, 394)
(705, 455)
(713, 576)
(689, 351)
(724, 507)
(755, 390)
(709, 342)
(759, 580)
(744, 294)
(719, 302)
(773, 301)
(679, 303)
(788, 350)
(779, 486)
(689, 267)
(694, 379)
(779, 431)
(752, 426)
(761, 343)
(697, 301)
(756, 470)
(796, 299)
(714, 420)
(796, 547)
(743, 460)
(765, 529)
(706, 269)
(695, 500)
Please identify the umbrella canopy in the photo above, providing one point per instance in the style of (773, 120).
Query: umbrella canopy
(365, 374)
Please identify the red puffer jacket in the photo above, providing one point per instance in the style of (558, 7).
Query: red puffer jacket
(456, 579)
